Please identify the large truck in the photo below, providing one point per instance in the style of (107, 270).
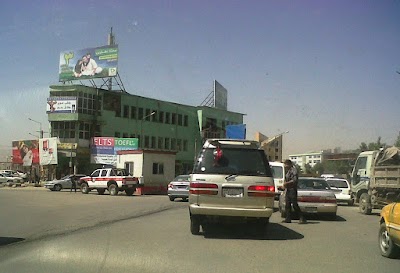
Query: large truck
(376, 179)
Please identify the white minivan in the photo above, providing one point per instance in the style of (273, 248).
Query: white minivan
(278, 172)
(231, 181)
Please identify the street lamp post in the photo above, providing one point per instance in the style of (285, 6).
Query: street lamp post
(276, 136)
(141, 129)
(40, 127)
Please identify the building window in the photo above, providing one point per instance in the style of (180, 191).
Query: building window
(126, 111)
(167, 118)
(158, 168)
(173, 144)
(173, 118)
(179, 145)
(160, 143)
(147, 117)
(133, 112)
(140, 113)
(186, 121)
(161, 117)
(66, 129)
(117, 134)
(185, 145)
(153, 142)
(125, 135)
(154, 116)
(180, 122)
(146, 141)
(132, 136)
(166, 144)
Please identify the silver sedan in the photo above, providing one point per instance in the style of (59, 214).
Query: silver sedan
(314, 197)
(63, 183)
(179, 188)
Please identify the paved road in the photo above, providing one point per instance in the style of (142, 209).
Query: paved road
(151, 234)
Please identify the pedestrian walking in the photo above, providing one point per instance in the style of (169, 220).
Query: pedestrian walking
(73, 183)
(290, 186)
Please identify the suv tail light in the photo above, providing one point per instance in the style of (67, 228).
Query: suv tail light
(203, 188)
(261, 191)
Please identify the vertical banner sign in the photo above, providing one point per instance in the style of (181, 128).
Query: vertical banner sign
(48, 151)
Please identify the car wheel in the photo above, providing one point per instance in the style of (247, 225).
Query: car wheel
(351, 202)
(57, 187)
(194, 225)
(365, 203)
(113, 189)
(100, 191)
(84, 188)
(129, 192)
(386, 245)
(171, 198)
(184, 199)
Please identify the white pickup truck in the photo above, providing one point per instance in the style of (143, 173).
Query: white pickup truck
(111, 179)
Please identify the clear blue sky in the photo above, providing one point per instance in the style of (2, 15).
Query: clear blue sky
(323, 70)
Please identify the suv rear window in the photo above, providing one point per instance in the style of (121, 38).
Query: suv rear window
(232, 161)
(337, 183)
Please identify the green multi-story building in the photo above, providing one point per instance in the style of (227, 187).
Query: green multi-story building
(77, 113)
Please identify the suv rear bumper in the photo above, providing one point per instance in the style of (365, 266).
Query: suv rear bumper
(237, 212)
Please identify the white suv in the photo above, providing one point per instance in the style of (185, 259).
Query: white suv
(231, 180)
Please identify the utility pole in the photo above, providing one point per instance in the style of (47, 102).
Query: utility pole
(111, 42)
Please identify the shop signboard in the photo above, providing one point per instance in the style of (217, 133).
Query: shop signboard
(61, 105)
(104, 149)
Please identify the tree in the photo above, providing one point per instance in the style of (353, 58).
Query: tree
(308, 169)
(371, 146)
(318, 168)
(363, 147)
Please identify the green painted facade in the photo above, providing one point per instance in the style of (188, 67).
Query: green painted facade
(158, 125)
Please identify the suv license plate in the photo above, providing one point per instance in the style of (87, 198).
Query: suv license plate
(232, 192)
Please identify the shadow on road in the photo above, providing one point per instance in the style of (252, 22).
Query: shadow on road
(274, 231)
(9, 240)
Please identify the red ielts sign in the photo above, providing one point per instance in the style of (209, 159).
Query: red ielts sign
(103, 141)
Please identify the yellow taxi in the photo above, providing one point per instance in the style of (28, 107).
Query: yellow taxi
(389, 231)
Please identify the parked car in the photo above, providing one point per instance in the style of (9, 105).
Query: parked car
(21, 174)
(314, 197)
(179, 188)
(63, 183)
(342, 190)
(4, 178)
(278, 172)
(389, 231)
(231, 181)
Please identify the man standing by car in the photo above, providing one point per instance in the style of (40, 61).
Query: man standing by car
(290, 186)
(73, 183)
